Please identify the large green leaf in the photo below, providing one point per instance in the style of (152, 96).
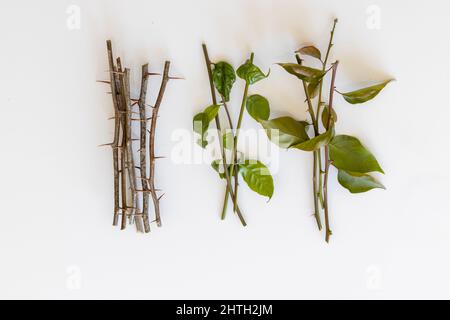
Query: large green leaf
(310, 51)
(201, 123)
(316, 142)
(250, 73)
(258, 107)
(325, 116)
(303, 73)
(224, 78)
(258, 177)
(285, 131)
(365, 94)
(347, 153)
(358, 182)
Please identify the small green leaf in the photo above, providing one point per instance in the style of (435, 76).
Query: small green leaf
(325, 116)
(201, 123)
(257, 176)
(316, 142)
(347, 153)
(313, 89)
(358, 182)
(224, 78)
(228, 140)
(365, 94)
(218, 166)
(310, 51)
(285, 131)
(258, 107)
(211, 112)
(303, 73)
(251, 73)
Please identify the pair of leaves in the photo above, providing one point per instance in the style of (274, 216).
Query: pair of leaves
(307, 74)
(285, 131)
(250, 73)
(201, 123)
(354, 161)
(255, 174)
(365, 94)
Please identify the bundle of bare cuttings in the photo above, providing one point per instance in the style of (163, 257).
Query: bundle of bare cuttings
(134, 167)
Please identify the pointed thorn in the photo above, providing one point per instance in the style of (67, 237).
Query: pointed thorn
(153, 74)
(159, 198)
(176, 78)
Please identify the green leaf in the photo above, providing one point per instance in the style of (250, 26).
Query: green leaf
(211, 112)
(303, 73)
(285, 131)
(316, 142)
(310, 51)
(325, 116)
(251, 73)
(257, 176)
(358, 182)
(365, 94)
(313, 89)
(224, 78)
(228, 140)
(347, 153)
(201, 123)
(258, 107)
(218, 166)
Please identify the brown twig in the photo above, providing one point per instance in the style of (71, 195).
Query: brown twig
(155, 111)
(115, 143)
(143, 146)
(123, 153)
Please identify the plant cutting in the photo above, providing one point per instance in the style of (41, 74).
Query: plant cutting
(131, 180)
(346, 153)
(221, 77)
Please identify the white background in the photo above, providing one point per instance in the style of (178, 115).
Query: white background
(56, 238)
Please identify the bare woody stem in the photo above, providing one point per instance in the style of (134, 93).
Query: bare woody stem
(227, 194)
(115, 143)
(315, 152)
(235, 167)
(143, 147)
(152, 156)
(327, 155)
(123, 153)
(125, 79)
(319, 104)
(217, 120)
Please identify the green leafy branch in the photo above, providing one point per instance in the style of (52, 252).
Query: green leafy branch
(256, 175)
(346, 153)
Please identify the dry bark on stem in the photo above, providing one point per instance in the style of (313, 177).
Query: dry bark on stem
(143, 147)
(217, 120)
(327, 155)
(123, 153)
(115, 143)
(151, 180)
(125, 81)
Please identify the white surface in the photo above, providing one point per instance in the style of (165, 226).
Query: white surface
(56, 185)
